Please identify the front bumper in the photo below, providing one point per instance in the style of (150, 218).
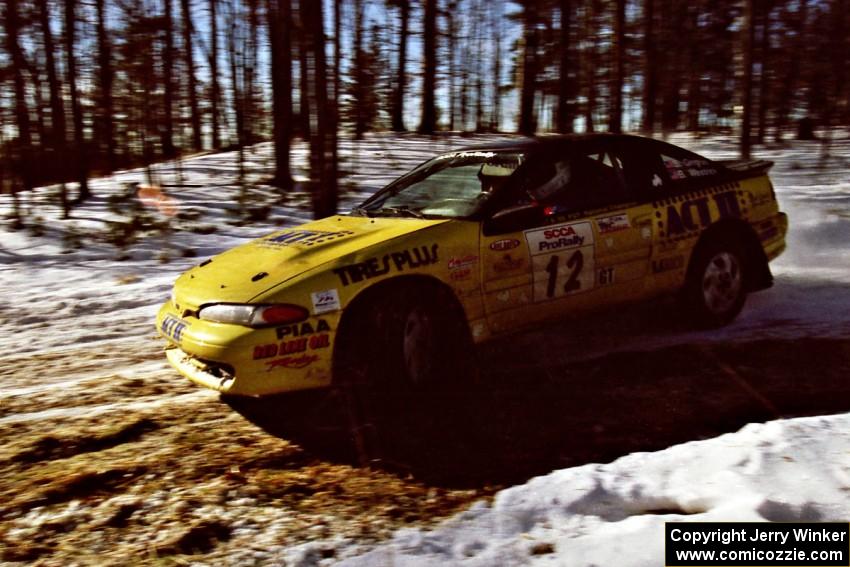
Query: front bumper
(238, 360)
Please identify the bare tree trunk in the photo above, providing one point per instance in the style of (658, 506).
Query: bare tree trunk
(57, 137)
(451, 45)
(250, 94)
(748, 32)
(615, 119)
(789, 86)
(479, 82)
(194, 114)
(527, 122)
(358, 72)
(304, 100)
(323, 141)
(694, 67)
(497, 65)
(764, 52)
(428, 124)
(280, 36)
(589, 66)
(105, 75)
(167, 135)
(22, 117)
(564, 119)
(401, 71)
(216, 88)
(57, 107)
(649, 69)
(76, 109)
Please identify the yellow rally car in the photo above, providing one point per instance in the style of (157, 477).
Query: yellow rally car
(471, 245)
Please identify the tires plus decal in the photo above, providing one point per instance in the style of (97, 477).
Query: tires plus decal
(173, 327)
(294, 346)
(400, 261)
(570, 269)
(305, 237)
(301, 329)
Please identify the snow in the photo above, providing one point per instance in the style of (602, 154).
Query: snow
(57, 298)
(614, 514)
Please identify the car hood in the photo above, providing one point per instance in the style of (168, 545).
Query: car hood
(242, 273)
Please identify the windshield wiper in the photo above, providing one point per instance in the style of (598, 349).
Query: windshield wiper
(401, 210)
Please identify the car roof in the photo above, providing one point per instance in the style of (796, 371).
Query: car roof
(538, 142)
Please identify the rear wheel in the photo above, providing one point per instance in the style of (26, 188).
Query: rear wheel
(715, 291)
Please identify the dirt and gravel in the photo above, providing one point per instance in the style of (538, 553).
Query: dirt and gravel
(108, 457)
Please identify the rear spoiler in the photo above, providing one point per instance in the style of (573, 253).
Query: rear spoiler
(743, 168)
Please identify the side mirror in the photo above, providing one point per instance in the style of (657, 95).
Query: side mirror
(513, 219)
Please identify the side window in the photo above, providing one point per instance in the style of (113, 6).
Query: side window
(686, 170)
(595, 180)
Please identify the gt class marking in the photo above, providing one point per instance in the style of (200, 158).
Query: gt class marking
(372, 268)
(605, 276)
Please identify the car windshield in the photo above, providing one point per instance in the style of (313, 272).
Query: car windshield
(453, 185)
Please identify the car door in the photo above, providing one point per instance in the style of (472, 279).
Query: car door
(579, 241)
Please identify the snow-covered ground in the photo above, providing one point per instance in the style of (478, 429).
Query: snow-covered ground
(101, 300)
(613, 514)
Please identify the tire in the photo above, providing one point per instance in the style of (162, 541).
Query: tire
(424, 337)
(716, 289)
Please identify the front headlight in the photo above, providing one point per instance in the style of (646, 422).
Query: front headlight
(253, 315)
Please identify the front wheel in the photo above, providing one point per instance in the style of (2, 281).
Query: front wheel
(715, 291)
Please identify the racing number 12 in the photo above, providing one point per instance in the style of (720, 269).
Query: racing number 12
(575, 263)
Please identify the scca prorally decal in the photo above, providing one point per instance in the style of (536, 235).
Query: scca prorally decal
(694, 214)
(400, 261)
(559, 237)
(504, 244)
(294, 346)
(301, 329)
(292, 362)
(562, 258)
(306, 237)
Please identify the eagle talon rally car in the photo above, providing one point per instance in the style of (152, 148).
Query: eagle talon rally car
(471, 245)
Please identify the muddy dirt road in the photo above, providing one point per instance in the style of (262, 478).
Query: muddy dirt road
(117, 460)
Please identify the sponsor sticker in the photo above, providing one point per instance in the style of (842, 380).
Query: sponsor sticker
(613, 223)
(325, 301)
(559, 237)
(299, 237)
(173, 327)
(562, 258)
(456, 263)
(504, 244)
(398, 261)
(300, 361)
